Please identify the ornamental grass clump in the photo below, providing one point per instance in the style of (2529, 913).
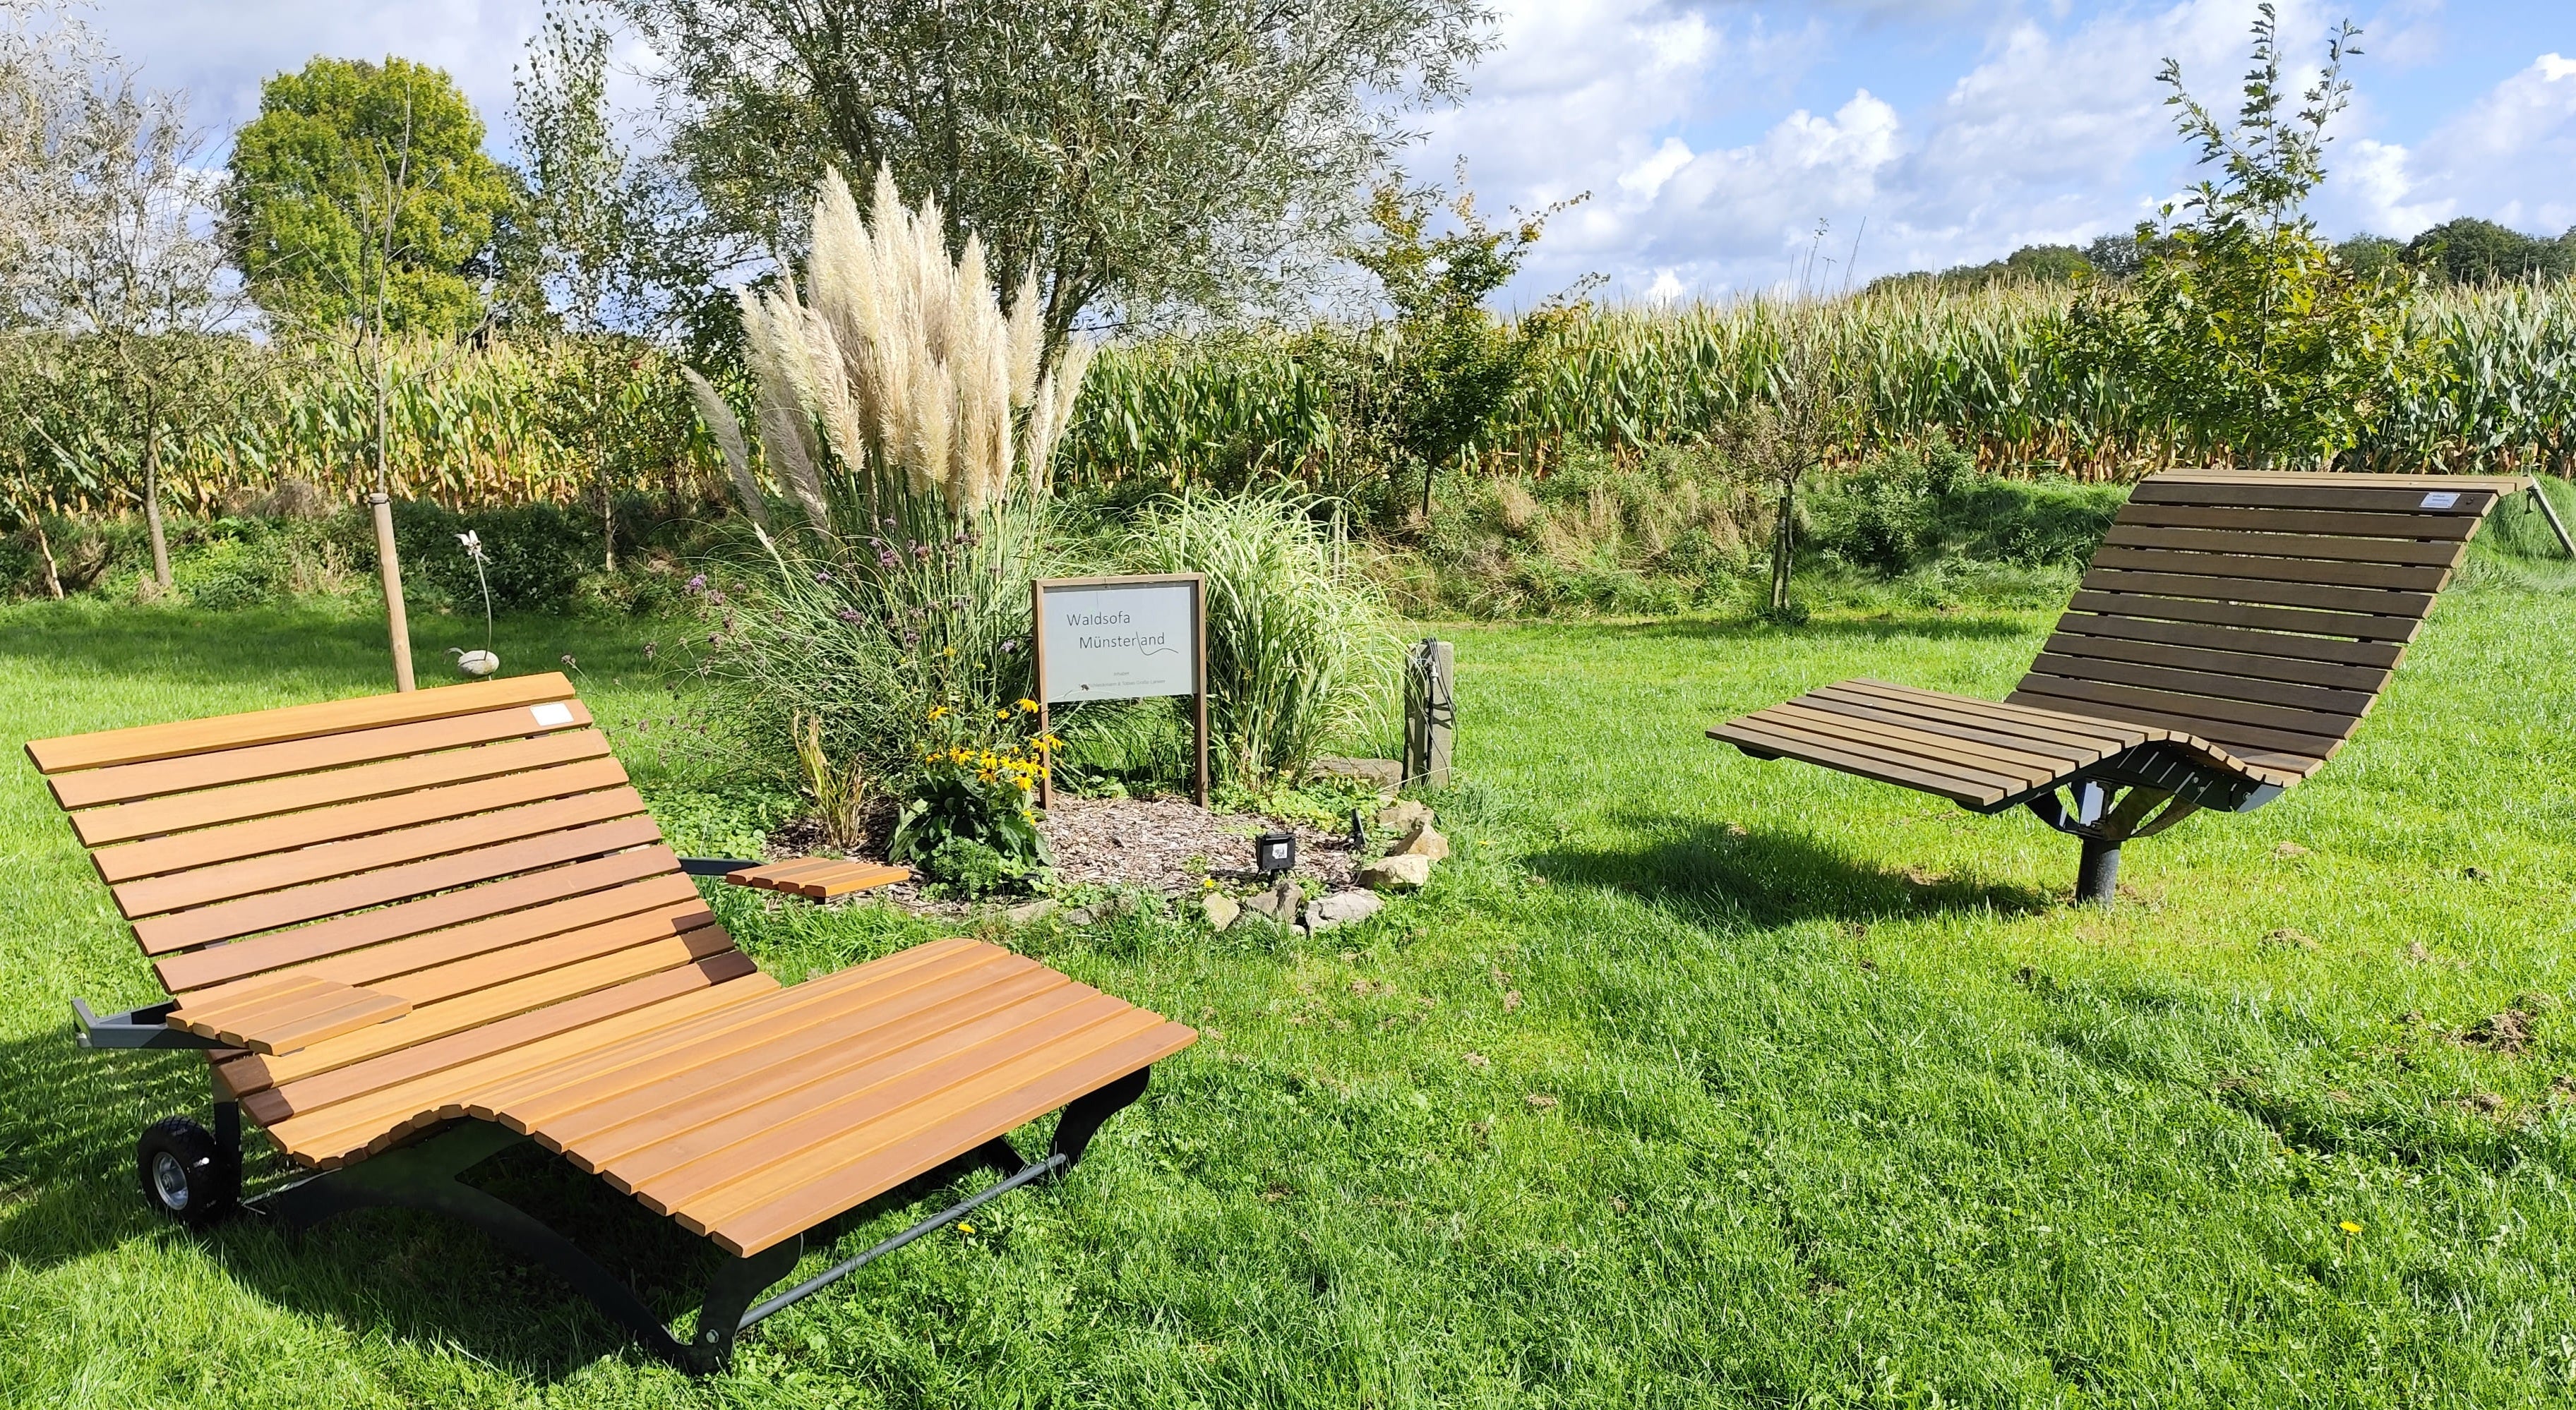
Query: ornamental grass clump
(909, 421)
(1301, 652)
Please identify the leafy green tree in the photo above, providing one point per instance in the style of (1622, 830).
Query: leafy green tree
(1141, 156)
(2473, 251)
(2373, 256)
(1451, 363)
(361, 183)
(2241, 327)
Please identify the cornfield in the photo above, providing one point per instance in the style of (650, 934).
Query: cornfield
(508, 422)
(1987, 367)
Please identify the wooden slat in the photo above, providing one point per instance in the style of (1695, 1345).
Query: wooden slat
(503, 966)
(2292, 548)
(2322, 627)
(2244, 744)
(486, 1008)
(131, 782)
(147, 742)
(484, 917)
(357, 1125)
(771, 871)
(2070, 731)
(695, 1160)
(2379, 656)
(237, 841)
(2473, 504)
(2409, 606)
(2051, 753)
(2439, 527)
(890, 1157)
(824, 879)
(575, 1093)
(2366, 679)
(621, 1110)
(2014, 768)
(1745, 733)
(2246, 568)
(214, 807)
(2293, 731)
(661, 1002)
(2225, 685)
(2204, 474)
(161, 934)
(757, 1211)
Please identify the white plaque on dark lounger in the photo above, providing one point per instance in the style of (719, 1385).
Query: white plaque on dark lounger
(1119, 641)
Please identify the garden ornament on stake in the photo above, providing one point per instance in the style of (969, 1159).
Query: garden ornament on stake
(483, 662)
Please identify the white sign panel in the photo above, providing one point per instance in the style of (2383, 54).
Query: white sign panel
(1118, 641)
(2442, 499)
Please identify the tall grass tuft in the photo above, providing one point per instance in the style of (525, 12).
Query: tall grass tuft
(1300, 652)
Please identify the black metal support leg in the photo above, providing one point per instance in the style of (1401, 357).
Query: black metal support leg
(2097, 875)
(729, 1295)
(423, 1176)
(1083, 1118)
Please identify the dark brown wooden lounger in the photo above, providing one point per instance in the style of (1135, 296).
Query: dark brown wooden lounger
(2230, 633)
(414, 930)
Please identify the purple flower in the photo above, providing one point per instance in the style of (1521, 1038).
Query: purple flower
(849, 614)
(921, 551)
(1010, 646)
(889, 521)
(698, 583)
(912, 638)
(715, 597)
(886, 559)
(824, 578)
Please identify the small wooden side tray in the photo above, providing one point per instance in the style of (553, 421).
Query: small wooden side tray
(289, 1015)
(819, 878)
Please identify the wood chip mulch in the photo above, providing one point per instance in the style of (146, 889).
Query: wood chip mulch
(1167, 845)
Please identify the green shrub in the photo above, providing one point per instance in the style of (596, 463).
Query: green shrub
(536, 555)
(968, 823)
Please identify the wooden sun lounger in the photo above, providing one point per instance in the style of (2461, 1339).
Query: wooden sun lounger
(413, 930)
(2229, 635)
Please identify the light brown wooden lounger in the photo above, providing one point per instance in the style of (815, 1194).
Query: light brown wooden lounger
(2229, 635)
(413, 930)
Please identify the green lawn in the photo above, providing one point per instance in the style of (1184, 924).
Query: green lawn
(1695, 1080)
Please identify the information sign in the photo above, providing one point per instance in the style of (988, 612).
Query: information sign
(1125, 638)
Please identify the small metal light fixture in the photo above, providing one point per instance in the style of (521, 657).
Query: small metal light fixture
(1274, 852)
(1359, 832)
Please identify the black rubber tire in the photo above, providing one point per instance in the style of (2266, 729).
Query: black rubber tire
(185, 1173)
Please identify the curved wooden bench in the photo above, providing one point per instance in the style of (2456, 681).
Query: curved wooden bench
(412, 930)
(2228, 637)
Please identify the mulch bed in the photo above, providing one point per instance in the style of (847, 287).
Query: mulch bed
(1166, 845)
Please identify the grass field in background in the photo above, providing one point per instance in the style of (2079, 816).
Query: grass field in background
(1692, 1080)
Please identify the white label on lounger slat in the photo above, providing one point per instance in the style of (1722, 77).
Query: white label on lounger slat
(2441, 499)
(552, 713)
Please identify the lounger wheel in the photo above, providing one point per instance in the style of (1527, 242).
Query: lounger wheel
(185, 1172)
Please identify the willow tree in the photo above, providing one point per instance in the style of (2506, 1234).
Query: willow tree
(1141, 156)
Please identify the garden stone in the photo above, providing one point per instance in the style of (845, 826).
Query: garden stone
(1385, 775)
(1221, 909)
(1401, 872)
(1278, 905)
(1079, 915)
(1422, 841)
(1399, 817)
(1342, 908)
(1031, 913)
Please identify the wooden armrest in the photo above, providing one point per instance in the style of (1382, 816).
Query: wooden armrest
(819, 878)
(290, 1014)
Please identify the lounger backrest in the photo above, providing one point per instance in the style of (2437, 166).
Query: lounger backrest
(2262, 612)
(450, 859)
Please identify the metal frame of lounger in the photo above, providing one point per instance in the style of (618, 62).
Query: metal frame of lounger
(2226, 639)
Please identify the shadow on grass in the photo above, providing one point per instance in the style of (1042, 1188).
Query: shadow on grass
(1769, 878)
(69, 1191)
(1892, 627)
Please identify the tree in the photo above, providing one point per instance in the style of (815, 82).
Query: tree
(319, 167)
(1142, 156)
(2241, 327)
(2372, 256)
(1450, 364)
(1812, 405)
(2473, 251)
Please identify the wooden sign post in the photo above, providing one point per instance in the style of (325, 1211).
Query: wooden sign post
(1120, 639)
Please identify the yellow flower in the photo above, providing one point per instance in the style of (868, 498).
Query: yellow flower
(2350, 1227)
(1001, 714)
(937, 711)
(950, 652)
(965, 1228)
(1028, 706)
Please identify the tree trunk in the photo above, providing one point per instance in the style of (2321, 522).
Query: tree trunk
(152, 508)
(607, 518)
(45, 551)
(389, 571)
(1784, 529)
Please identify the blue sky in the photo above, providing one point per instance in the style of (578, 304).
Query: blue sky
(1714, 137)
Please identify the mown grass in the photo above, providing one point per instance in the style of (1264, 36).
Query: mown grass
(1692, 1080)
